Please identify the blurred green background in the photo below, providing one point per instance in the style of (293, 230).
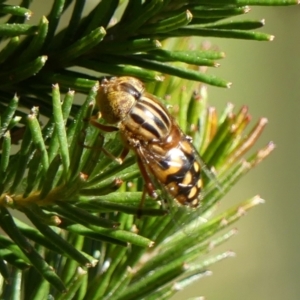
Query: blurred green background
(266, 77)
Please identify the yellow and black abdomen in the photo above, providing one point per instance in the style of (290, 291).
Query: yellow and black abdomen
(178, 170)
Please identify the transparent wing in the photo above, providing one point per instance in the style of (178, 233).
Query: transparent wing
(182, 218)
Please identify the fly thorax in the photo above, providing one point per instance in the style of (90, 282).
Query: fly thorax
(114, 105)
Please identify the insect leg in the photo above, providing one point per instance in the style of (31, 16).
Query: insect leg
(149, 187)
(106, 128)
(140, 208)
(117, 159)
(123, 154)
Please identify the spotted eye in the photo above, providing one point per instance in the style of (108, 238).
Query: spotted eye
(130, 89)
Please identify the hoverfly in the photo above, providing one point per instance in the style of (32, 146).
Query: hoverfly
(164, 153)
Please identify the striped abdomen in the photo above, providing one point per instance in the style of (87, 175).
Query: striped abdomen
(178, 169)
(148, 119)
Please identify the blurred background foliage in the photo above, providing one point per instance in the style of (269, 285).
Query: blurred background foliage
(265, 77)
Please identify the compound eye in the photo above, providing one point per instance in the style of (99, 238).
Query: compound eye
(130, 89)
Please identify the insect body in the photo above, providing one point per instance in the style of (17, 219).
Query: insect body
(165, 154)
